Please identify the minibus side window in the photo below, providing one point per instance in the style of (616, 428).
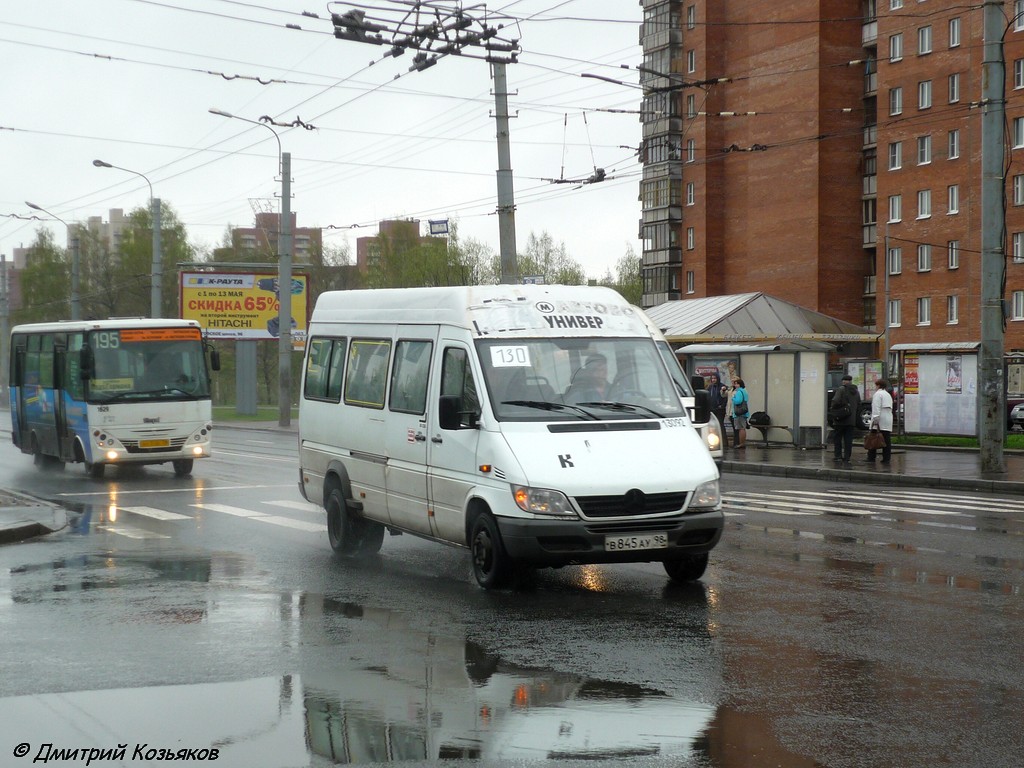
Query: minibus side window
(367, 376)
(318, 368)
(337, 369)
(457, 379)
(410, 375)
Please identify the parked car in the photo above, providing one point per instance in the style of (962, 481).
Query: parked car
(1016, 418)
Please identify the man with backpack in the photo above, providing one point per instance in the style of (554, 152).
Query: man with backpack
(842, 416)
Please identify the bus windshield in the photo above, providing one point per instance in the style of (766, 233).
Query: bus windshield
(569, 379)
(133, 364)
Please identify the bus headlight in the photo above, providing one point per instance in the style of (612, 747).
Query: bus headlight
(542, 501)
(706, 496)
(714, 435)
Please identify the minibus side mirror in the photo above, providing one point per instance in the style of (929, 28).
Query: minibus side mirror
(697, 382)
(701, 407)
(85, 363)
(450, 417)
(214, 360)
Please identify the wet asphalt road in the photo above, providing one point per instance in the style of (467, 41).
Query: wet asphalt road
(835, 627)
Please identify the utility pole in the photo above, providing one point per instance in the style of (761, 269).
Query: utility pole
(5, 330)
(506, 197)
(435, 32)
(991, 389)
(156, 277)
(284, 295)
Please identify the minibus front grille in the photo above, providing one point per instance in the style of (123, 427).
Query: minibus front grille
(175, 444)
(631, 504)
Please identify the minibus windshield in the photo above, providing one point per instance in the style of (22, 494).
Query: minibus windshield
(573, 379)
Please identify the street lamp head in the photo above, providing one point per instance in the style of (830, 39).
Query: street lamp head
(101, 164)
(33, 206)
(219, 112)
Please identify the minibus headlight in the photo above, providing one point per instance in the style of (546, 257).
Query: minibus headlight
(542, 501)
(714, 436)
(706, 496)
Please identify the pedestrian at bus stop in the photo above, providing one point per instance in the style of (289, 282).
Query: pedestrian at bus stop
(881, 419)
(740, 411)
(843, 418)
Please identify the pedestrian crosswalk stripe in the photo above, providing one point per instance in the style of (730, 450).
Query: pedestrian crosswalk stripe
(131, 532)
(288, 522)
(154, 513)
(228, 510)
(301, 506)
(262, 517)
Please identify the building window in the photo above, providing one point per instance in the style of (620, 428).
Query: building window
(924, 311)
(895, 5)
(1018, 15)
(894, 257)
(691, 239)
(924, 94)
(1017, 306)
(953, 254)
(1018, 132)
(896, 47)
(893, 313)
(954, 32)
(1018, 73)
(1018, 189)
(954, 88)
(691, 150)
(690, 194)
(896, 101)
(924, 40)
(953, 199)
(924, 203)
(954, 144)
(1018, 247)
(895, 155)
(691, 16)
(689, 281)
(924, 258)
(924, 150)
(691, 61)
(691, 106)
(895, 208)
(952, 310)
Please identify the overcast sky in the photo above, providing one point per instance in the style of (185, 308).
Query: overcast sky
(131, 82)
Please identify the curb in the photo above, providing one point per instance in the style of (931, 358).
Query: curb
(877, 477)
(25, 517)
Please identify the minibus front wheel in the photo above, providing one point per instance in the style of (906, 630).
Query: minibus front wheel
(492, 566)
(687, 567)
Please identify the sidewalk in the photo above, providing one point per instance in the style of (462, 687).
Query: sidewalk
(23, 517)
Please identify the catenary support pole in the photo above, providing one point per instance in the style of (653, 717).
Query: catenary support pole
(157, 275)
(284, 292)
(991, 389)
(506, 195)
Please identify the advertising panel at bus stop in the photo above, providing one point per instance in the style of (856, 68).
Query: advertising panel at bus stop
(232, 305)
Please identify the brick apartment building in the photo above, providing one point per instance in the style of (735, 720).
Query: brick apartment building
(829, 154)
(307, 242)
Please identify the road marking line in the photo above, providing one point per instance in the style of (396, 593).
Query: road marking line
(154, 513)
(287, 522)
(301, 506)
(130, 532)
(194, 489)
(228, 510)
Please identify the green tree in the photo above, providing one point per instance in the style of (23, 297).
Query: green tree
(543, 257)
(45, 282)
(628, 278)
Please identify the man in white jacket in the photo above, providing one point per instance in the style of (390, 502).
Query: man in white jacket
(881, 418)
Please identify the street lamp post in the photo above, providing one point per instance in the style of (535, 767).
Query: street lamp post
(284, 276)
(156, 273)
(76, 299)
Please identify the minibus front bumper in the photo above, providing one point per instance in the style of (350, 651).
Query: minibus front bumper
(557, 542)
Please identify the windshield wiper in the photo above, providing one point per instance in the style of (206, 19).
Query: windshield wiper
(544, 405)
(612, 406)
(176, 391)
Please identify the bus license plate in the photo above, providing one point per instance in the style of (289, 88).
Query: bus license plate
(635, 541)
(159, 443)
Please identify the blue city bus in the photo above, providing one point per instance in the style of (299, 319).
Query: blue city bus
(119, 391)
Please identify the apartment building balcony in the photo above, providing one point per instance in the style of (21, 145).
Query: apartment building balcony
(870, 235)
(658, 37)
(669, 169)
(870, 136)
(670, 213)
(871, 186)
(871, 84)
(869, 33)
(869, 284)
(662, 126)
(645, 4)
(654, 299)
(662, 257)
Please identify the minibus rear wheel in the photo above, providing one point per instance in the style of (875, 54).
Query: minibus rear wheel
(340, 531)
(687, 567)
(492, 566)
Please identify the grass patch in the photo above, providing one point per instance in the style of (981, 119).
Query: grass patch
(1013, 441)
(263, 413)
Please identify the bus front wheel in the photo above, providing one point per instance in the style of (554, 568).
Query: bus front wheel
(182, 467)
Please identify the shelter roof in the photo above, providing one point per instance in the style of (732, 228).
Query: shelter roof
(749, 318)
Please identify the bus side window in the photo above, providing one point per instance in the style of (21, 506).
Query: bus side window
(73, 367)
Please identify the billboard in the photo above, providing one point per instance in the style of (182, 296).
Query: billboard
(237, 305)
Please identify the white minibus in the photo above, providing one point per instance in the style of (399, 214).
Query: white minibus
(536, 426)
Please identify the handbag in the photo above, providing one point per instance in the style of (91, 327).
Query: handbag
(874, 440)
